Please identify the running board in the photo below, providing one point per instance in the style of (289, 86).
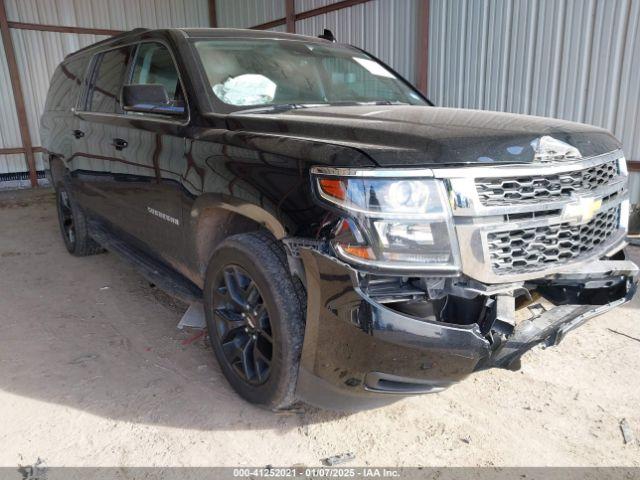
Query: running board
(156, 272)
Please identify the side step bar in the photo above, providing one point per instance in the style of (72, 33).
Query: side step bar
(156, 272)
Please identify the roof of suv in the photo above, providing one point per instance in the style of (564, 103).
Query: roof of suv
(247, 33)
(202, 33)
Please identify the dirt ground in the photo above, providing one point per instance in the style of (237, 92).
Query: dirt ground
(94, 372)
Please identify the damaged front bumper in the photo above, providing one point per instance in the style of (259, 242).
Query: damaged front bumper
(360, 352)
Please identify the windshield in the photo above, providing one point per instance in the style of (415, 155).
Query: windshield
(246, 74)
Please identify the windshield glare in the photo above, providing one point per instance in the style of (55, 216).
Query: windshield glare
(253, 73)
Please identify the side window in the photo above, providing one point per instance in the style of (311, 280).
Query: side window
(154, 65)
(65, 85)
(104, 91)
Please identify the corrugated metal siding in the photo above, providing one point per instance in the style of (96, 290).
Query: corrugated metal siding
(387, 29)
(9, 131)
(38, 53)
(572, 59)
(279, 28)
(304, 5)
(248, 13)
(49, 48)
(112, 14)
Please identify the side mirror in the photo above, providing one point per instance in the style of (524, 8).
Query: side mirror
(148, 98)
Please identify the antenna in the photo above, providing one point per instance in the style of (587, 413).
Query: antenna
(327, 35)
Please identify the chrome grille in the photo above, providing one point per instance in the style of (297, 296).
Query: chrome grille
(537, 248)
(536, 188)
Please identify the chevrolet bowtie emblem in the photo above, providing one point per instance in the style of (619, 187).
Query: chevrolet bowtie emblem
(583, 209)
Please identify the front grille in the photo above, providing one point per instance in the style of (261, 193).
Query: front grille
(535, 188)
(536, 248)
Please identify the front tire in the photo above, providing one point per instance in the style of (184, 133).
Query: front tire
(255, 315)
(73, 225)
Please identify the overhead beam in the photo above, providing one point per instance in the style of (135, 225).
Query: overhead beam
(310, 13)
(20, 150)
(329, 8)
(12, 151)
(423, 46)
(62, 28)
(18, 96)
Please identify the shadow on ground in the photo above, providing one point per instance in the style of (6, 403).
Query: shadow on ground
(91, 334)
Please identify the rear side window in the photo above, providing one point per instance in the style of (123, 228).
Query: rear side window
(65, 85)
(109, 73)
(154, 65)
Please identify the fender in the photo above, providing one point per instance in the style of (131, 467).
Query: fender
(213, 217)
(238, 206)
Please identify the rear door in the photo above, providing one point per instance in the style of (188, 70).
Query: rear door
(97, 130)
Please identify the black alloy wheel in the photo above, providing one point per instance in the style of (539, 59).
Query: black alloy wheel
(65, 215)
(242, 325)
(73, 225)
(255, 311)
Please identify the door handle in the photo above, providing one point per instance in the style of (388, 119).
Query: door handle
(119, 143)
(78, 133)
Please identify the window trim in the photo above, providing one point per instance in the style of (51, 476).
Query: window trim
(83, 90)
(96, 62)
(93, 70)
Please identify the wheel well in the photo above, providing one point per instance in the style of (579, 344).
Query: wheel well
(57, 168)
(213, 226)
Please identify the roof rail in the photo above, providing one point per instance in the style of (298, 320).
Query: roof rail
(112, 39)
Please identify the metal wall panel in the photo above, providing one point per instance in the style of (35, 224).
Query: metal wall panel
(387, 29)
(573, 59)
(38, 53)
(248, 13)
(304, 5)
(111, 14)
(279, 28)
(12, 163)
(9, 131)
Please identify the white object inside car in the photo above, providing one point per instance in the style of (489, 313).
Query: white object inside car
(247, 89)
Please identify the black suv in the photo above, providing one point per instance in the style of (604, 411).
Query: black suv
(351, 243)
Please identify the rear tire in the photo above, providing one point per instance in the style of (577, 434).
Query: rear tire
(73, 225)
(255, 314)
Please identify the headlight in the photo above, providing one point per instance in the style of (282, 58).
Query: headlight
(622, 166)
(394, 222)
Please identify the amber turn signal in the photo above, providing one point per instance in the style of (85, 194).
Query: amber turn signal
(359, 251)
(333, 187)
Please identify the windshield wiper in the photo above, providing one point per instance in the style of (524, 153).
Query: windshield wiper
(389, 102)
(353, 103)
(284, 107)
(281, 107)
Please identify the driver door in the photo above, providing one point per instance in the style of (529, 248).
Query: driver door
(148, 179)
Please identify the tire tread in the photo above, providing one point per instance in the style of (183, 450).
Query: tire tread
(291, 299)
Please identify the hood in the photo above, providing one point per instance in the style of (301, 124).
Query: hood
(393, 135)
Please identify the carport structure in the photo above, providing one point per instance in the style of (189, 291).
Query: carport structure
(566, 59)
(92, 361)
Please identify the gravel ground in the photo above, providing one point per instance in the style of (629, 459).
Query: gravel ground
(93, 372)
